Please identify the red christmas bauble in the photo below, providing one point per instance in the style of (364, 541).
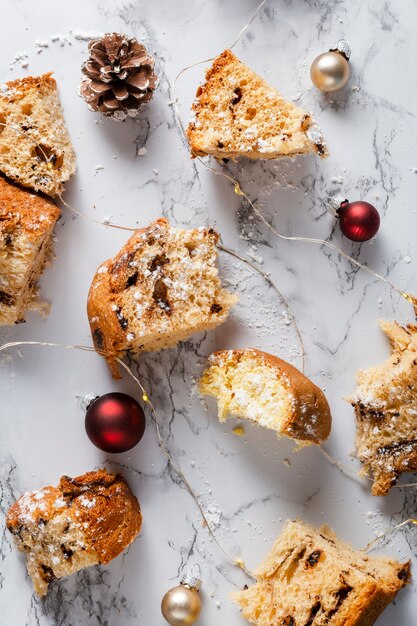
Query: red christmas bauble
(115, 422)
(359, 221)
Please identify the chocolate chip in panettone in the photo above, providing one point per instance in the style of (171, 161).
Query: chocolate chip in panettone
(132, 280)
(6, 299)
(67, 552)
(121, 319)
(313, 612)
(98, 339)
(158, 261)
(404, 573)
(237, 96)
(47, 573)
(313, 558)
(160, 295)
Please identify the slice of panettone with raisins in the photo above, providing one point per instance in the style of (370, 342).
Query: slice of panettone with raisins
(159, 289)
(26, 231)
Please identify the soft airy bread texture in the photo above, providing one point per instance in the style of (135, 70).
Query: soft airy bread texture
(310, 578)
(26, 225)
(385, 403)
(84, 521)
(35, 147)
(238, 114)
(271, 392)
(161, 287)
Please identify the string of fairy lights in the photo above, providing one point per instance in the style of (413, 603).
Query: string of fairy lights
(236, 185)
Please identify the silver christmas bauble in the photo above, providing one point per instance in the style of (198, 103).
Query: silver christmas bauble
(330, 71)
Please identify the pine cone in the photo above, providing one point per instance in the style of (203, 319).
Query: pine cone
(118, 76)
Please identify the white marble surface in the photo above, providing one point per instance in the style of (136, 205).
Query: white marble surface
(249, 484)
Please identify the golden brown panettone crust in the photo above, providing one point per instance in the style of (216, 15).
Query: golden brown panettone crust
(21, 85)
(109, 525)
(308, 398)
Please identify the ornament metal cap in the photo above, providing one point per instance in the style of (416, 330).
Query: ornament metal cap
(334, 203)
(86, 400)
(343, 48)
(191, 581)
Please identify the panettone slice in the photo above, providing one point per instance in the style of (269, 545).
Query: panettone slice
(238, 114)
(310, 578)
(385, 403)
(87, 520)
(35, 147)
(162, 287)
(262, 388)
(26, 230)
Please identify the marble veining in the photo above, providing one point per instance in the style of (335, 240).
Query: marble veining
(133, 172)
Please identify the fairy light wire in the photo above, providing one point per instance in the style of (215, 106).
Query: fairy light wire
(249, 24)
(238, 190)
(161, 442)
(238, 562)
(360, 476)
(271, 283)
(94, 221)
(342, 469)
(370, 546)
(25, 133)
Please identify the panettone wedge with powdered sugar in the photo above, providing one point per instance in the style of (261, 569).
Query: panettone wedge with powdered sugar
(238, 114)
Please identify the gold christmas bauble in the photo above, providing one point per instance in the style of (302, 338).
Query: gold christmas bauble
(181, 606)
(330, 71)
